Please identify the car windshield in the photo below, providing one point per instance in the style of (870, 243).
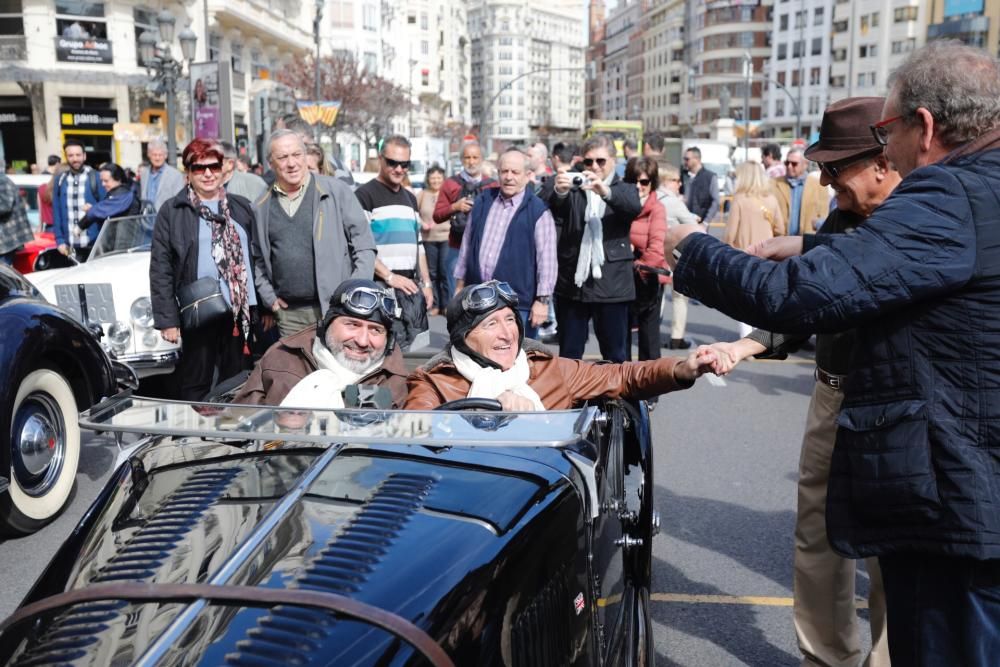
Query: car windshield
(124, 235)
(553, 428)
(29, 193)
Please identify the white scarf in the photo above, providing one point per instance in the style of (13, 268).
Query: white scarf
(488, 382)
(591, 257)
(324, 388)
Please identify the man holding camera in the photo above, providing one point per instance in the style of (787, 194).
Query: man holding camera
(594, 210)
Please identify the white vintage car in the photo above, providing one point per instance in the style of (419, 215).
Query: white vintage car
(111, 289)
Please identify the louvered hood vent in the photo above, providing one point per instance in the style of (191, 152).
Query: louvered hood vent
(294, 635)
(69, 636)
(542, 633)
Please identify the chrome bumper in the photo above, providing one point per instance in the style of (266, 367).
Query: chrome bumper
(151, 363)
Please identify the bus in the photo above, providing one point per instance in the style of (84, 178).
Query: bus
(619, 130)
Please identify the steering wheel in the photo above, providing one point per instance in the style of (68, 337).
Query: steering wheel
(475, 403)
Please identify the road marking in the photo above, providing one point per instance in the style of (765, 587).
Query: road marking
(753, 600)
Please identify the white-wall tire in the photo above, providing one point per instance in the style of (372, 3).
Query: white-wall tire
(35, 499)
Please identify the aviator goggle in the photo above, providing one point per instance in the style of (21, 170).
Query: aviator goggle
(364, 301)
(483, 298)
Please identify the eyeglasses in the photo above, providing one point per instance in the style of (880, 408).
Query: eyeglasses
(589, 161)
(297, 155)
(792, 163)
(393, 164)
(644, 181)
(363, 301)
(835, 169)
(201, 168)
(484, 297)
(880, 132)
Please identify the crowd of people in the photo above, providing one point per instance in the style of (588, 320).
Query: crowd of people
(885, 250)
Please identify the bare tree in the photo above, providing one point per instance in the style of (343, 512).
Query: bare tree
(368, 102)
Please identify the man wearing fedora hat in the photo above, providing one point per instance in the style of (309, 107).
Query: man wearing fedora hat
(825, 609)
(915, 472)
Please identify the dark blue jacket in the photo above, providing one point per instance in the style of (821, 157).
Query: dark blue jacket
(93, 192)
(916, 465)
(516, 264)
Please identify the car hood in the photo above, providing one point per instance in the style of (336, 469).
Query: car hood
(117, 269)
(436, 536)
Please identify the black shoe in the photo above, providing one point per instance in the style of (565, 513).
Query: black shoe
(678, 344)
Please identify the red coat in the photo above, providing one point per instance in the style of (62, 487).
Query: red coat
(647, 234)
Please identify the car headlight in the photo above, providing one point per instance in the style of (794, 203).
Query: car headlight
(141, 312)
(119, 334)
(151, 338)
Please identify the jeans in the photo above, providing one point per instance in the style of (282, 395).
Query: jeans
(645, 312)
(610, 326)
(437, 266)
(451, 259)
(942, 610)
(529, 331)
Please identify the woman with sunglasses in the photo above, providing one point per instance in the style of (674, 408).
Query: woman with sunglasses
(204, 234)
(489, 357)
(647, 234)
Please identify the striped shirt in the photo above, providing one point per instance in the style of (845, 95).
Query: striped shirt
(495, 232)
(395, 224)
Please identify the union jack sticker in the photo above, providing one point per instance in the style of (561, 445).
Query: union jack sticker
(578, 603)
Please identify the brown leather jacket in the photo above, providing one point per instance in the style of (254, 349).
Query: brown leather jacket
(561, 383)
(291, 359)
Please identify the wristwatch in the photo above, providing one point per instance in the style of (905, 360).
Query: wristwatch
(547, 299)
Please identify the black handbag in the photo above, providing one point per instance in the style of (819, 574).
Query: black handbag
(202, 304)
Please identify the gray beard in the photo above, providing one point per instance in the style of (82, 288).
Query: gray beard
(354, 365)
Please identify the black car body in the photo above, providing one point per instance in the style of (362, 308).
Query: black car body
(508, 539)
(51, 366)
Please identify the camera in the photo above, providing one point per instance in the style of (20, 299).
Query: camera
(577, 181)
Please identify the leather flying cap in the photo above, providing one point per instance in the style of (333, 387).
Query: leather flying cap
(461, 321)
(339, 306)
(844, 132)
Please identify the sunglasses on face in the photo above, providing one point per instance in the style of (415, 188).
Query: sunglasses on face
(589, 161)
(205, 166)
(792, 163)
(395, 164)
(643, 181)
(835, 169)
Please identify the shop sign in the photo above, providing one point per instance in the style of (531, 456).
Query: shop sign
(88, 50)
(88, 119)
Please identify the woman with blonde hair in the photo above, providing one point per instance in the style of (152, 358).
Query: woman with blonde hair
(754, 214)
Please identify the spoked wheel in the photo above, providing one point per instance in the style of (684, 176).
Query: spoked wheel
(640, 651)
(42, 455)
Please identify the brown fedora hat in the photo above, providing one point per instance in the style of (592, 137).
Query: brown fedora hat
(844, 132)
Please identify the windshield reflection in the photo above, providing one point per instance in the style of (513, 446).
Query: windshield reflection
(124, 235)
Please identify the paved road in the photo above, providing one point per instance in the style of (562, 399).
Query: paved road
(726, 460)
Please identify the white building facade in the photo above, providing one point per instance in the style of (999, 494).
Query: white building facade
(527, 68)
(665, 75)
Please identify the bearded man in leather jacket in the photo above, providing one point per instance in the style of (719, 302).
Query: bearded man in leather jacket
(488, 357)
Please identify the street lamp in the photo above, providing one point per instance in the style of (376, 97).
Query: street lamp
(165, 71)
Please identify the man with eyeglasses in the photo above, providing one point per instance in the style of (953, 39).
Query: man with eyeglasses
(310, 235)
(594, 210)
(803, 200)
(395, 223)
(352, 345)
(913, 478)
(489, 357)
(825, 609)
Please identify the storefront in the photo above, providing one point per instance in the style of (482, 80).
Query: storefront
(95, 127)
(16, 132)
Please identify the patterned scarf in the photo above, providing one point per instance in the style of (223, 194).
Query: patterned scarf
(227, 251)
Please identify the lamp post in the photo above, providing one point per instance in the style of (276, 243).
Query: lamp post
(748, 74)
(165, 71)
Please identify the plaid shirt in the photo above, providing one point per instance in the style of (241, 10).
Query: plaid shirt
(76, 188)
(495, 232)
(15, 230)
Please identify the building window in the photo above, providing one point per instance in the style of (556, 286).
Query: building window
(779, 107)
(875, 19)
(839, 55)
(868, 51)
(145, 21)
(214, 46)
(800, 20)
(814, 76)
(813, 104)
(838, 81)
(370, 61)
(840, 26)
(817, 46)
(423, 20)
(782, 51)
(258, 66)
(78, 19)
(781, 78)
(783, 22)
(425, 47)
(818, 16)
(901, 14)
(798, 48)
(796, 79)
(237, 58)
(369, 18)
(341, 13)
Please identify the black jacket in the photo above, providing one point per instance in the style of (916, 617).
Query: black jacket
(915, 467)
(173, 260)
(616, 283)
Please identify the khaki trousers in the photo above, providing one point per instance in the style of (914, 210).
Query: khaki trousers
(679, 318)
(293, 320)
(826, 621)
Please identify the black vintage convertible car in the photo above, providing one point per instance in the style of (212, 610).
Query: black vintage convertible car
(256, 536)
(51, 366)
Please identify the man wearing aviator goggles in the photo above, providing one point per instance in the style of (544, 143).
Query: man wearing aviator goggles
(489, 357)
(352, 345)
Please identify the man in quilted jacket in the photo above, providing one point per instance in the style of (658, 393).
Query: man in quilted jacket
(915, 474)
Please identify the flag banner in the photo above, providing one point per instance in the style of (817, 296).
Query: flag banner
(318, 112)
